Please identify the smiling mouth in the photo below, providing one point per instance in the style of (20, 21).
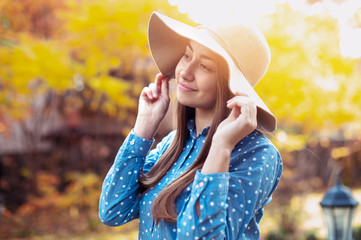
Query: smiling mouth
(185, 87)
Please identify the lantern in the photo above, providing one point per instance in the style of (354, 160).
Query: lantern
(339, 207)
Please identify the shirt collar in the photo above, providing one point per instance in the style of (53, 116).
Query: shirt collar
(191, 125)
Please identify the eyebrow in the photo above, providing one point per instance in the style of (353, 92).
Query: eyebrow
(202, 55)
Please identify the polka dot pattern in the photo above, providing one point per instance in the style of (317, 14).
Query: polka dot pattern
(230, 204)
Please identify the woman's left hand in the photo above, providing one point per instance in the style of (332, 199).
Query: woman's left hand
(241, 121)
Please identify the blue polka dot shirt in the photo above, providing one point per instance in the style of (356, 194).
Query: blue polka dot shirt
(231, 203)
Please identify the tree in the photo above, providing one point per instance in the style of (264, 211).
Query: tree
(310, 86)
(66, 44)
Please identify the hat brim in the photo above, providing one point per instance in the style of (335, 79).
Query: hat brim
(168, 39)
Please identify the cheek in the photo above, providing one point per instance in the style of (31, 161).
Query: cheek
(212, 93)
(210, 85)
(210, 90)
(177, 70)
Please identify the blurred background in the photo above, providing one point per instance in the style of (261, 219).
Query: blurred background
(70, 75)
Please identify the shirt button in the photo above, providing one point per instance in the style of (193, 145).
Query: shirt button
(201, 184)
(132, 142)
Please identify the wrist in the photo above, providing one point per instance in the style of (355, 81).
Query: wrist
(145, 129)
(222, 143)
(218, 159)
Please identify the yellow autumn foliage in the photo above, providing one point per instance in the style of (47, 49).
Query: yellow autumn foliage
(309, 86)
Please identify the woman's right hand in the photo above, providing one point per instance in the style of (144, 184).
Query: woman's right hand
(153, 105)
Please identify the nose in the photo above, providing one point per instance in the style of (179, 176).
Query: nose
(187, 73)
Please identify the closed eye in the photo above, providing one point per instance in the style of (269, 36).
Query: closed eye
(186, 56)
(204, 67)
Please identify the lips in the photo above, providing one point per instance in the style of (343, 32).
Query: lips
(184, 87)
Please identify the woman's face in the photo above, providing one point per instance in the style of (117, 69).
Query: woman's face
(196, 75)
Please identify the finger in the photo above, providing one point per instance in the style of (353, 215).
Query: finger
(237, 101)
(246, 108)
(238, 93)
(235, 112)
(153, 88)
(147, 92)
(239, 97)
(249, 114)
(253, 112)
(165, 87)
(158, 83)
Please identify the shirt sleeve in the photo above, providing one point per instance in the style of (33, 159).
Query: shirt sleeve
(211, 192)
(119, 198)
(230, 201)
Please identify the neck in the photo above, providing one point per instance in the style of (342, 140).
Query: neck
(203, 119)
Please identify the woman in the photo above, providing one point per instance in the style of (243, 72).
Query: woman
(212, 176)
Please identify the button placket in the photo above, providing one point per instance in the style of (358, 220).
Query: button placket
(189, 148)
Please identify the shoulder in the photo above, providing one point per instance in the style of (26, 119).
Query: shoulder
(255, 148)
(255, 142)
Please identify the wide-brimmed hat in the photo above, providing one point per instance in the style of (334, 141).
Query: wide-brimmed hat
(242, 46)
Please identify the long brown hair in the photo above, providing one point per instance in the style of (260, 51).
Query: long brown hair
(164, 205)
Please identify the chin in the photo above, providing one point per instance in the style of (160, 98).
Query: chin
(187, 103)
(185, 99)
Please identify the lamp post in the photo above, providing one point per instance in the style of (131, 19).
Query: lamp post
(339, 207)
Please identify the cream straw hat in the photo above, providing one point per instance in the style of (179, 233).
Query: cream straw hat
(243, 47)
